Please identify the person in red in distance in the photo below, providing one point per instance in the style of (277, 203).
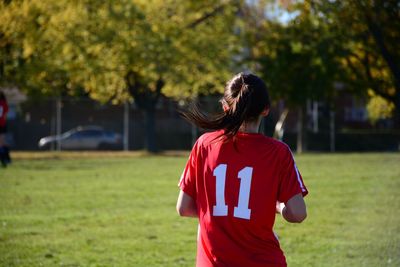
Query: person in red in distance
(237, 179)
(4, 150)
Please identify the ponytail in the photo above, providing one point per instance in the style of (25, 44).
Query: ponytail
(245, 97)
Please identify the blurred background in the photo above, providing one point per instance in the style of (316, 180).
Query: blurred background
(112, 75)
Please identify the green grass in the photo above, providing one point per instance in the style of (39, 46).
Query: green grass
(119, 210)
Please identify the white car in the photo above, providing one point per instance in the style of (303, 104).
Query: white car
(84, 138)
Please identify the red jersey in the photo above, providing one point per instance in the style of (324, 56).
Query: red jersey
(3, 112)
(236, 185)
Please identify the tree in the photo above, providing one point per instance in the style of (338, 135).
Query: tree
(324, 42)
(26, 57)
(298, 58)
(369, 31)
(115, 50)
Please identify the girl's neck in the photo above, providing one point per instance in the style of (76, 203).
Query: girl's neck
(250, 127)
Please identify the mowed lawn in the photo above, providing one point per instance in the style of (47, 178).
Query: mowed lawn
(117, 209)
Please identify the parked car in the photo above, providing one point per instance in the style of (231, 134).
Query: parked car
(84, 138)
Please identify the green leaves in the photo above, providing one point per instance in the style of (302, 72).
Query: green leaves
(325, 42)
(369, 34)
(95, 44)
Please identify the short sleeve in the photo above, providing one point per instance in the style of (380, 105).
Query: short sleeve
(187, 182)
(291, 181)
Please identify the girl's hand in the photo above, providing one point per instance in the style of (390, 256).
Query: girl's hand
(279, 207)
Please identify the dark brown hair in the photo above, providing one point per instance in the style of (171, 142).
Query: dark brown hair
(245, 97)
(2, 96)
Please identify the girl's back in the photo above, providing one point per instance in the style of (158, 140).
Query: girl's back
(236, 184)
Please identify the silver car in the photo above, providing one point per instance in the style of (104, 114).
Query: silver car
(84, 138)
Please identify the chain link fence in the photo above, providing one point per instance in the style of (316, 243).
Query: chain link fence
(323, 130)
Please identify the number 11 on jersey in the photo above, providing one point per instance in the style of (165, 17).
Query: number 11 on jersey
(242, 210)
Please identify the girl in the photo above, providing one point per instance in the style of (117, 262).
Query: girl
(237, 179)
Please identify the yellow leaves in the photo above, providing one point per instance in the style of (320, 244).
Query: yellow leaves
(26, 8)
(95, 49)
(42, 75)
(66, 17)
(296, 47)
(92, 44)
(9, 25)
(66, 49)
(155, 28)
(378, 107)
(28, 49)
(317, 61)
(391, 91)
(71, 14)
(103, 13)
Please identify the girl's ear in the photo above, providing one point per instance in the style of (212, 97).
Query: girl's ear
(265, 112)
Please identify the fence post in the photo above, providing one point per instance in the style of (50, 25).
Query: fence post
(315, 116)
(332, 130)
(299, 148)
(58, 121)
(126, 126)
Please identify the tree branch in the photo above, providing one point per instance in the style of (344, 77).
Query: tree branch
(353, 68)
(144, 97)
(377, 35)
(384, 95)
(206, 16)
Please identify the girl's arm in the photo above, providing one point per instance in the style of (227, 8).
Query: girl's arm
(294, 210)
(186, 206)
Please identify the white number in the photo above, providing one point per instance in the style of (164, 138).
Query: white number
(220, 209)
(242, 210)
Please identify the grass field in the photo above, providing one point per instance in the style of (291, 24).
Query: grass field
(119, 210)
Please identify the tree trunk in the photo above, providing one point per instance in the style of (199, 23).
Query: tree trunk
(397, 108)
(396, 115)
(146, 99)
(332, 140)
(150, 131)
(279, 126)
